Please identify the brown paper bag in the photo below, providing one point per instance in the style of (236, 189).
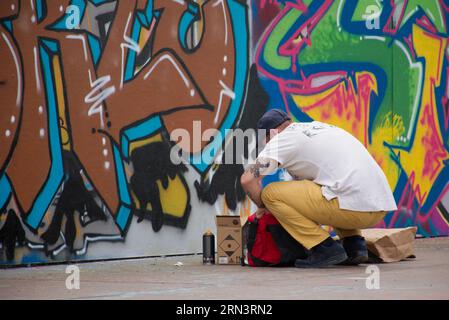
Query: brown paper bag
(390, 245)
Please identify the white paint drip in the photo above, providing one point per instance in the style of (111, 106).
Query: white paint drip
(225, 91)
(36, 71)
(19, 75)
(82, 39)
(130, 44)
(169, 58)
(225, 18)
(98, 94)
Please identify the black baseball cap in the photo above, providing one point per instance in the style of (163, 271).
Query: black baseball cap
(272, 119)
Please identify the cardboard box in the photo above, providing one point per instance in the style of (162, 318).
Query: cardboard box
(229, 239)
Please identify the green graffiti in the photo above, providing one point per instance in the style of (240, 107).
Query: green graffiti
(363, 8)
(270, 52)
(343, 47)
(431, 8)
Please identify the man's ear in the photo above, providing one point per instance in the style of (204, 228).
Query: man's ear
(273, 132)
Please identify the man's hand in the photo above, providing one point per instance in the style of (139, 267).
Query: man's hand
(260, 212)
(251, 178)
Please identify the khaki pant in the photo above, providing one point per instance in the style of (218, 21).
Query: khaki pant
(300, 208)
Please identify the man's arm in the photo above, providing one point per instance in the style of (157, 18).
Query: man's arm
(252, 177)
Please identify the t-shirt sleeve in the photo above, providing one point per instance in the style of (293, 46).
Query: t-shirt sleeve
(280, 148)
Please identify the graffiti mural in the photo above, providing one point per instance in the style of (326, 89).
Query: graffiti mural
(378, 69)
(91, 91)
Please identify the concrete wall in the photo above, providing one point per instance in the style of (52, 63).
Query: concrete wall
(92, 90)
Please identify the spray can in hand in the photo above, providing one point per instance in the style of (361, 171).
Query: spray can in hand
(208, 247)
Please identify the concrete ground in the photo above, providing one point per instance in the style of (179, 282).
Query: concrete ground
(427, 277)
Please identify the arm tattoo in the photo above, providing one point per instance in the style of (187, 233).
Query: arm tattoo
(255, 169)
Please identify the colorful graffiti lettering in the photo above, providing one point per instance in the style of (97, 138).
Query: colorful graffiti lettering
(91, 91)
(388, 86)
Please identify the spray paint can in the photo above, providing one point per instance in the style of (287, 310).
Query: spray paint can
(208, 247)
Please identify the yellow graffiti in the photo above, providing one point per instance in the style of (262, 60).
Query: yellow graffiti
(61, 103)
(175, 198)
(341, 105)
(427, 153)
(391, 126)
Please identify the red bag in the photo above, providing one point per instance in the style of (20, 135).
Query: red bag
(268, 244)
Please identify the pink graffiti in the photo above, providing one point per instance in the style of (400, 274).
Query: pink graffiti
(409, 42)
(263, 3)
(426, 24)
(387, 29)
(423, 21)
(346, 102)
(434, 148)
(445, 99)
(291, 48)
(411, 191)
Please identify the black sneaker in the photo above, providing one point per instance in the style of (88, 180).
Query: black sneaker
(327, 253)
(355, 248)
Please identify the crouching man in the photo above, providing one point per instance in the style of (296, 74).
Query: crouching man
(336, 183)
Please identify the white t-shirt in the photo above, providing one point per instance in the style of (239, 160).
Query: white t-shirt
(334, 159)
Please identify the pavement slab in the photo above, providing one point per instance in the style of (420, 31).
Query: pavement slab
(426, 277)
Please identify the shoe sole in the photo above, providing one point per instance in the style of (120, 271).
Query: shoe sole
(354, 261)
(326, 263)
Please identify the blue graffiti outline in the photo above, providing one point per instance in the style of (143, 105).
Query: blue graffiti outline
(5, 190)
(187, 19)
(239, 17)
(141, 19)
(48, 48)
(139, 131)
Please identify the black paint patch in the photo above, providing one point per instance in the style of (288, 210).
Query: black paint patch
(226, 179)
(151, 163)
(11, 233)
(74, 197)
